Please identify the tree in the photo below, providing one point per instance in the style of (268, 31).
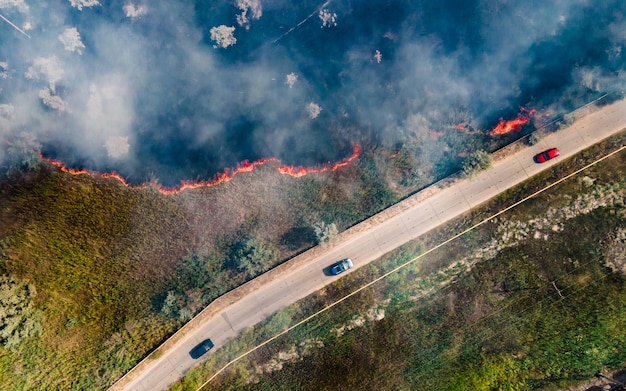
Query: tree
(170, 306)
(325, 233)
(195, 271)
(252, 256)
(476, 162)
(185, 314)
(18, 317)
(22, 153)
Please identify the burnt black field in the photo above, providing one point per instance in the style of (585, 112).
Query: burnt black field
(188, 110)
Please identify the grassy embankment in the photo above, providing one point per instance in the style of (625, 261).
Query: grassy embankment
(480, 313)
(117, 270)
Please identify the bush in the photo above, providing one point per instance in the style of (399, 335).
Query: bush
(18, 317)
(614, 252)
(170, 305)
(533, 139)
(326, 233)
(476, 162)
(195, 271)
(252, 256)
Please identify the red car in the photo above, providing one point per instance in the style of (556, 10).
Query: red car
(547, 155)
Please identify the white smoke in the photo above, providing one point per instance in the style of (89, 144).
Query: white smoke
(117, 146)
(132, 11)
(20, 5)
(168, 73)
(6, 114)
(79, 4)
(313, 109)
(4, 70)
(46, 68)
(291, 79)
(328, 19)
(223, 36)
(378, 56)
(71, 40)
(53, 101)
(107, 108)
(252, 6)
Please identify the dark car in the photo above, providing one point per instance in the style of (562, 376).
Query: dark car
(201, 349)
(547, 155)
(341, 266)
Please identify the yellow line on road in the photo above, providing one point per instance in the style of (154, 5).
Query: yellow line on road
(408, 263)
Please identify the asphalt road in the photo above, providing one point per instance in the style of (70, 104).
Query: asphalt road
(380, 239)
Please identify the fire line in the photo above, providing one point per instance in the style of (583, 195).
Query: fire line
(225, 176)
(516, 124)
(503, 127)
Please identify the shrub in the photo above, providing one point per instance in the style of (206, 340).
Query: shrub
(614, 252)
(170, 305)
(476, 162)
(185, 314)
(533, 139)
(195, 271)
(18, 317)
(325, 233)
(252, 256)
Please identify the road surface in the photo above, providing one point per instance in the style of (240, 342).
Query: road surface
(379, 239)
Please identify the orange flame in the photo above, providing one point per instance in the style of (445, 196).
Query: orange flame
(226, 176)
(516, 124)
(465, 128)
(302, 171)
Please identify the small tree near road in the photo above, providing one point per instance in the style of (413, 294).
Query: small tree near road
(325, 233)
(252, 256)
(476, 162)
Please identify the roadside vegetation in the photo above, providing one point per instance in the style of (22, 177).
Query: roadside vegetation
(98, 274)
(515, 304)
(476, 162)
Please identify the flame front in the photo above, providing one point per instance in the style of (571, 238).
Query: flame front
(302, 171)
(516, 124)
(225, 176)
(503, 127)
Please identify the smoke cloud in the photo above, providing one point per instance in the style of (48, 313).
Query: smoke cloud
(71, 40)
(175, 91)
(135, 11)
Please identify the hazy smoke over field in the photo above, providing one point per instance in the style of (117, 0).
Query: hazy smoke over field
(180, 89)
